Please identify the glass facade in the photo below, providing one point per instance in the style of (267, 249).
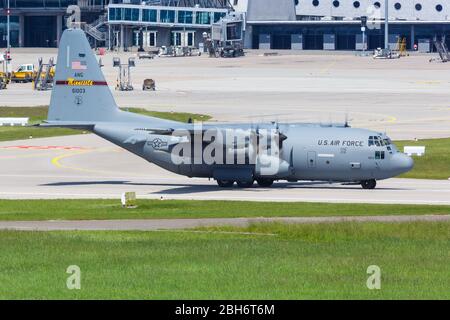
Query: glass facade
(115, 14)
(43, 3)
(203, 18)
(14, 31)
(149, 15)
(129, 14)
(163, 15)
(218, 16)
(185, 17)
(167, 16)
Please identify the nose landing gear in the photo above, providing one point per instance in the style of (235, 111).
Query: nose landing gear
(369, 184)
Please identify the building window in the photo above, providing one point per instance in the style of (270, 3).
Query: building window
(315, 3)
(149, 15)
(185, 17)
(235, 2)
(127, 14)
(149, 39)
(336, 3)
(131, 14)
(167, 16)
(176, 39)
(418, 6)
(134, 14)
(356, 4)
(397, 6)
(182, 38)
(439, 8)
(203, 17)
(377, 5)
(115, 14)
(190, 39)
(218, 16)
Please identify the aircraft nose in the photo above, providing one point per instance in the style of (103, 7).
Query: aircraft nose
(403, 163)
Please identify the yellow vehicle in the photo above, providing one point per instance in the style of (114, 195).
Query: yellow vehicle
(4, 79)
(24, 73)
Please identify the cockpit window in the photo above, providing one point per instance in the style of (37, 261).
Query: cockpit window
(379, 141)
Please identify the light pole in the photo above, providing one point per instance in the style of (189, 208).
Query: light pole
(8, 12)
(8, 44)
(386, 24)
(363, 30)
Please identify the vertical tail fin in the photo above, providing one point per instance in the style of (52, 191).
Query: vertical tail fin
(80, 92)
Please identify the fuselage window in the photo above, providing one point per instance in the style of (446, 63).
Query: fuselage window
(379, 155)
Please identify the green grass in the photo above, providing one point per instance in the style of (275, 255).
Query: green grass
(176, 116)
(325, 261)
(38, 114)
(153, 209)
(435, 164)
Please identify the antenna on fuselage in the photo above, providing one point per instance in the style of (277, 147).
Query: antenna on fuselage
(346, 124)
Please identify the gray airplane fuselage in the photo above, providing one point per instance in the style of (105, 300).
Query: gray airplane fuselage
(310, 152)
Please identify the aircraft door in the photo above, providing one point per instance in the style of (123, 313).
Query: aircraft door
(312, 159)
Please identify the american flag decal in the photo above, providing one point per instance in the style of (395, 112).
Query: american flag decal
(79, 65)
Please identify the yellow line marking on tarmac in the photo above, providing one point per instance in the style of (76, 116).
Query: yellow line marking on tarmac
(56, 161)
(329, 66)
(429, 82)
(392, 119)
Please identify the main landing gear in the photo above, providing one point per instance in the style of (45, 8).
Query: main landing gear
(265, 183)
(225, 183)
(369, 184)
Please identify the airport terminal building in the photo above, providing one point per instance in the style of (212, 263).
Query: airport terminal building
(268, 24)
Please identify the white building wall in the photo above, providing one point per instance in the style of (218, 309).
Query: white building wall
(240, 5)
(347, 9)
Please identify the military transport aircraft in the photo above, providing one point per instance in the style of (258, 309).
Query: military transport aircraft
(228, 153)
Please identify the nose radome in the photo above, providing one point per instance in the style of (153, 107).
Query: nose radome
(403, 162)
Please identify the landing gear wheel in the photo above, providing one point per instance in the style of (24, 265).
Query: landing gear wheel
(245, 184)
(225, 183)
(369, 184)
(265, 183)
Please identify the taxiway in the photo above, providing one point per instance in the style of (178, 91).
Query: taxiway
(85, 166)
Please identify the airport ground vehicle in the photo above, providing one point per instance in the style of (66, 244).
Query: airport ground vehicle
(4, 76)
(23, 73)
